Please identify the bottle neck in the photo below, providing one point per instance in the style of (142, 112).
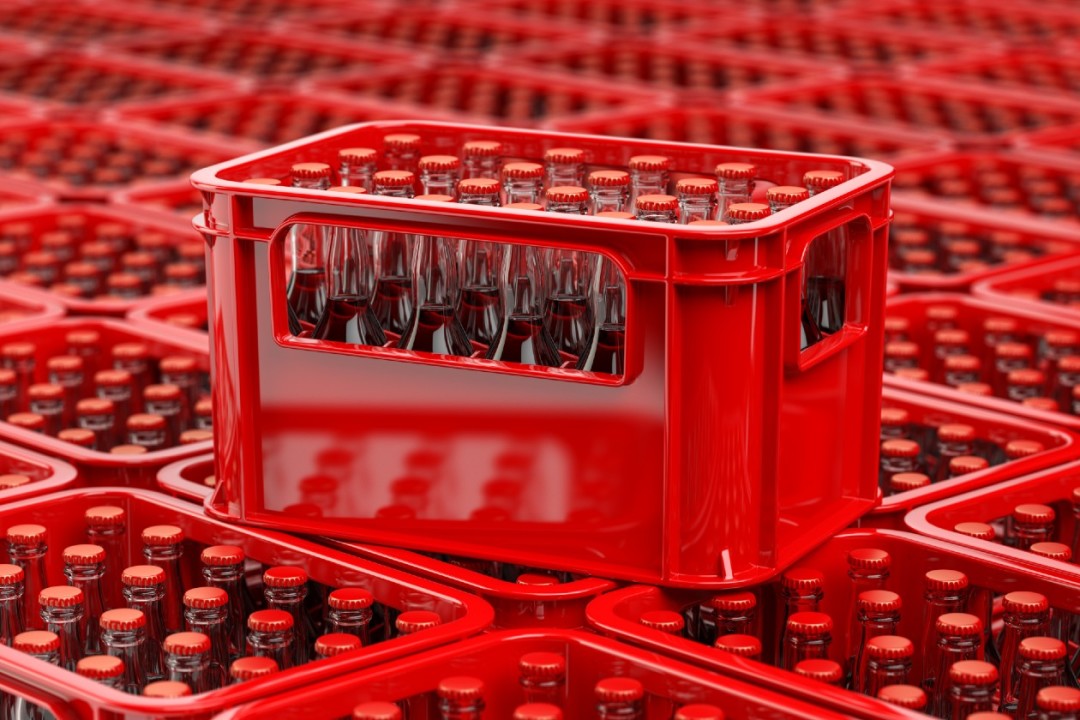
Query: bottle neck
(405, 191)
(486, 199)
(357, 175)
(562, 175)
(439, 183)
(280, 597)
(649, 182)
(662, 216)
(522, 190)
(609, 199)
(322, 183)
(696, 207)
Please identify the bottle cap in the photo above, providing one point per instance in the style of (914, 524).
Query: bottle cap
(734, 602)
(108, 515)
(222, 555)
(482, 148)
(827, 671)
(439, 163)
(461, 687)
(1000, 325)
(1058, 698)
(565, 156)
(18, 350)
(657, 203)
(1026, 377)
(11, 574)
(1033, 513)
(479, 186)
(822, 179)
(976, 388)
(100, 667)
(889, 647)
(735, 171)
(946, 580)
(977, 530)
(65, 363)
(204, 407)
(619, 689)
(952, 336)
(1042, 648)
(112, 378)
(358, 155)
(27, 420)
(190, 437)
(84, 554)
(813, 624)
(158, 535)
(973, 672)
(697, 186)
(879, 601)
(748, 212)
(143, 576)
(901, 349)
(536, 711)
(962, 624)
(270, 621)
(964, 464)
(165, 689)
(412, 621)
(905, 696)
(870, 558)
(900, 448)
(1016, 449)
(666, 621)
(739, 644)
(1052, 551)
(1025, 603)
(26, 534)
(206, 598)
(45, 391)
(542, 664)
(522, 170)
(905, 482)
(333, 644)
(376, 711)
(95, 406)
(956, 432)
(350, 599)
(897, 324)
(699, 711)
(536, 580)
(36, 642)
(609, 178)
(1061, 338)
(402, 141)
(787, 194)
(128, 450)
(122, 619)
(567, 194)
(649, 163)
(163, 391)
(394, 178)
(83, 338)
(60, 596)
(11, 481)
(284, 576)
(145, 421)
(803, 580)
(310, 171)
(1012, 350)
(249, 668)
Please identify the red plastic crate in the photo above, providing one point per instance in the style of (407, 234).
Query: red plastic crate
(189, 479)
(62, 514)
(268, 55)
(617, 15)
(666, 65)
(46, 474)
(248, 12)
(65, 81)
(95, 467)
(1006, 243)
(994, 505)
(268, 116)
(845, 43)
(617, 614)
(494, 95)
(970, 114)
(174, 196)
(44, 220)
(679, 512)
(1021, 183)
(18, 194)
(1039, 288)
(68, 24)
(137, 154)
(494, 658)
(173, 312)
(1041, 70)
(753, 127)
(1053, 142)
(993, 427)
(19, 309)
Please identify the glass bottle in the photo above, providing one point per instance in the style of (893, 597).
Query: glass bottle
(270, 634)
(697, 199)
(648, 176)
(439, 174)
(482, 159)
(807, 635)
(620, 697)
(251, 668)
(781, 197)
(392, 303)
(99, 416)
(357, 167)
(522, 182)
(741, 213)
(1058, 703)
(607, 353)
(144, 590)
(11, 602)
(524, 338)
(945, 591)
(746, 646)
(84, 568)
(123, 635)
(609, 191)
(206, 611)
(285, 588)
(543, 677)
(349, 611)
(376, 711)
(480, 308)
(187, 660)
(27, 550)
(334, 644)
(959, 638)
(166, 401)
(657, 208)
(888, 662)
(63, 613)
(564, 166)
(306, 290)
(868, 569)
(1041, 665)
(878, 613)
(44, 646)
(223, 568)
(736, 185)
(163, 546)
(1025, 615)
(1032, 523)
(349, 316)
(414, 621)
(972, 685)
(825, 671)
(434, 326)
(105, 669)
(402, 151)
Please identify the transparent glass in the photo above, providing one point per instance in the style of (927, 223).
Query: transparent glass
(434, 325)
(524, 337)
(350, 277)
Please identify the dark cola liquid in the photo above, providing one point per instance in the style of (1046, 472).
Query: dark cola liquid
(393, 303)
(526, 341)
(825, 299)
(479, 314)
(569, 320)
(349, 319)
(307, 294)
(437, 331)
(610, 351)
(809, 332)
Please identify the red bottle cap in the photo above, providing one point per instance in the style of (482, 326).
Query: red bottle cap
(1025, 603)
(45, 391)
(100, 667)
(166, 689)
(973, 672)
(870, 558)
(1042, 648)
(482, 148)
(564, 156)
(894, 417)
(310, 171)
(65, 363)
(904, 482)
(657, 203)
(1016, 449)
(439, 163)
(108, 515)
(270, 621)
(154, 393)
(112, 378)
(145, 421)
(1026, 377)
(130, 351)
(827, 671)
(1012, 350)
(334, 644)
(412, 621)
(822, 179)
(666, 621)
(160, 535)
(190, 437)
(567, 194)
(649, 163)
(1000, 325)
(284, 576)
(890, 647)
(609, 178)
(122, 619)
(697, 186)
(350, 599)
(84, 554)
(522, 170)
(734, 602)
(961, 624)
(619, 690)
(11, 481)
(205, 598)
(128, 450)
(976, 388)
(479, 186)
(222, 555)
(1052, 551)
(75, 436)
(879, 601)
(36, 642)
(1033, 513)
(8, 377)
(1061, 338)
(60, 596)
(739, 644)
(402, 141)
(955, 432)
(901, 349)
(27, 420)
(376, 711)
(964, 464)
(946, 580)
(977, 530)
(542, 664)
(1058, 698)
(1069, 364)
(900, 448)
(735, 171)
(394, 178)
(897, 324)
(786, 194)
(1041, 403)
(26, 534)
(204, 407)
(358, 155)
(951, 336)
(803, 580)
(748, 212)
(905, 696)
(175, 364)
(536, 580)
(18, 350)
(250, 668)
(11, 574)
(813, 624)
(461, 687)
(536, 711)
(143, 576)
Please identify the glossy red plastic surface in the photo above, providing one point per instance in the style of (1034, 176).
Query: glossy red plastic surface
(1052, 142)
(62, 514)
(618, 480)
(1030, 287)
(1042, 70)
(623, 16)
(995, 427)
(1039, 240)
(250, 12)
(174, 196)
(180, 312)
(189, 479)
(14, 194)
(754, 127)
(43, 220)
(493, 659)
(18, 309)
(1052, 486)
(103, 468)
(617, 613)
(72, 24)
(46, 474)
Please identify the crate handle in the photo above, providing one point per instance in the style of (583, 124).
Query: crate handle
(60, 709)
